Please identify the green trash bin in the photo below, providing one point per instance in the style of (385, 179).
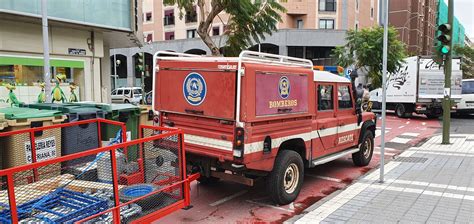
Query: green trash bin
(50, 106)
(126, 113)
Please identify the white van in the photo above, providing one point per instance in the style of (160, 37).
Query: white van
(466, 106)
(127, 95)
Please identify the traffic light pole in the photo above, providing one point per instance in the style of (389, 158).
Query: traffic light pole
(143, 79)
(447, 79)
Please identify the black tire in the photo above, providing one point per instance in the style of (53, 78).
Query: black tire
(366, 150)
(207, 180)
(287, 163)
(126, 101)
(401, 111)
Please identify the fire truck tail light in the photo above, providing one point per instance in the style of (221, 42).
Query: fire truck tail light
(238, 143)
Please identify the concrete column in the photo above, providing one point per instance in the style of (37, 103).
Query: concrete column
(105, 76)
(130, 71)
(283, 50)
(96, 81)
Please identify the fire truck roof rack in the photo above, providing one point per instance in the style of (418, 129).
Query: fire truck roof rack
(253, 56)
(245, 56)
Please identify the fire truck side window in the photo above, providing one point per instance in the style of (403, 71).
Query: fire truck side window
(344, 97)
(325, 97)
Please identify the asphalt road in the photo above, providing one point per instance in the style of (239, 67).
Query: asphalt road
(227, 202)
(462, 125)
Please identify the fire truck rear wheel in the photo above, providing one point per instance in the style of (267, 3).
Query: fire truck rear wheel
(285, 181)
(366, 150)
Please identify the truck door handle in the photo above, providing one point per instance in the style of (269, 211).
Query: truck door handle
(189, 111)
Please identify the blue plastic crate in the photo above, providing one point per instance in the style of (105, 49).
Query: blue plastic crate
(61, 206)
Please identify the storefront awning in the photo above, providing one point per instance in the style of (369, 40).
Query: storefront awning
(11, 60)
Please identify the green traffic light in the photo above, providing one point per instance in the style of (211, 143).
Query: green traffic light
(444, 49)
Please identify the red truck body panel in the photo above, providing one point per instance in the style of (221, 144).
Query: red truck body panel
(276, 101)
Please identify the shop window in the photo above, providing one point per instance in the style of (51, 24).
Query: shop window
(25, 73)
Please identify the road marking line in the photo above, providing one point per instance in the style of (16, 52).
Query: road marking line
(325, 178)
(270, 206)
(379, 132)
(228, 198)
(411, 134)
(401, 140)
(401, 127)
(389, 149)
(386, 153)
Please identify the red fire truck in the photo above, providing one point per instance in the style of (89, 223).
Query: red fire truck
(260, 116)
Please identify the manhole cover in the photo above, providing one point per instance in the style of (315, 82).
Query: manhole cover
(411, 159)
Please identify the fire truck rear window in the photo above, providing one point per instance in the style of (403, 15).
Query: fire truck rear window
(325, 99)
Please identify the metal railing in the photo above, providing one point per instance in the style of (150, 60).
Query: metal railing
(109, 188)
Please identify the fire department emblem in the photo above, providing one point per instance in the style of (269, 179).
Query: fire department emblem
(284, 87)
(194, 88)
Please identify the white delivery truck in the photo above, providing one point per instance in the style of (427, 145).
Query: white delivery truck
(418, 86)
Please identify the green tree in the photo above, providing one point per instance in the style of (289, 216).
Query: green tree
(249, 20)
(466, 54)
(364, 50)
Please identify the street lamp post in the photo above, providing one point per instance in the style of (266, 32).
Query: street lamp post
(384, 88)
(46, 69)
(406, 23)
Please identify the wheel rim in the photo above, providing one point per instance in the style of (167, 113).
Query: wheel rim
(291, 178)
(399, 111)
(367, 146)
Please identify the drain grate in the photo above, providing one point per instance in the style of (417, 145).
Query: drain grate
(411, 159)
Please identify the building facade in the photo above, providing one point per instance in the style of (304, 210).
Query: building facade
(415, 21)
(81, 35)
(309, 29)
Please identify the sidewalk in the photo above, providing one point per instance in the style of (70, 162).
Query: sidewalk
(433, 183)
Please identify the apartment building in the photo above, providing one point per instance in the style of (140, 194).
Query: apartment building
(163, 22)
(309, 29)
(415, 21)
(81, 34)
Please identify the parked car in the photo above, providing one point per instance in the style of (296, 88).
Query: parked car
(466, 105)
(261, 116)
(127, 95)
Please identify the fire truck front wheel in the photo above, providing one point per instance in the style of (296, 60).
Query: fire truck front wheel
(285, 181)
(366, 149)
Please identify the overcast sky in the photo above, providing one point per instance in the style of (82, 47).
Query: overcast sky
(464, 11)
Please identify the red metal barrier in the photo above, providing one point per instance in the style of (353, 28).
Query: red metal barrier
(108, 189)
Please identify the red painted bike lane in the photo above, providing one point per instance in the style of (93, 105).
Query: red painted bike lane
(226, 202)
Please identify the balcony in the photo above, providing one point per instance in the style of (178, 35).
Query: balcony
(191, 17)
(168, 20)
(296, 7)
